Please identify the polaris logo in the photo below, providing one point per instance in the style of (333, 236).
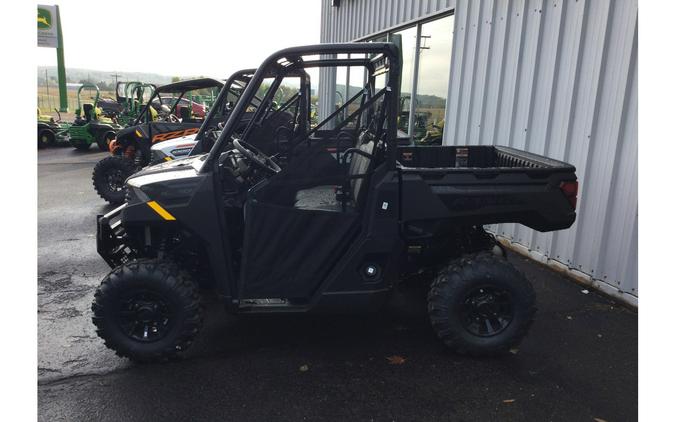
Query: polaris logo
(181, 151)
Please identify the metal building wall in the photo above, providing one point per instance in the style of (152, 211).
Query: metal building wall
(555, 77)
(355, 19)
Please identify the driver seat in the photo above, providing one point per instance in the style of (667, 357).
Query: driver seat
(185, 114)
(324, 198)
(88, 110)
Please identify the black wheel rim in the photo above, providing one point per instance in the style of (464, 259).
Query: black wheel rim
(486, 311)
(115, 179)
(145, 316)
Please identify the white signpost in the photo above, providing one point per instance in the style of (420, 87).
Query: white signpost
(47, 23)
(50, 36)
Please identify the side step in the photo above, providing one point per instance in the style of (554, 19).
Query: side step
(269, 305)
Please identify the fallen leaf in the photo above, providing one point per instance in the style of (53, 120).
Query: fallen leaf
(304, 368)
(396, 360)
(508, 401)
(599, 420)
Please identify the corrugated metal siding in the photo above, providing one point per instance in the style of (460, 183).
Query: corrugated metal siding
(356, 19)
(555, 77)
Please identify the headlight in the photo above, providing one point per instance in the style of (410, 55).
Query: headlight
(156, 156)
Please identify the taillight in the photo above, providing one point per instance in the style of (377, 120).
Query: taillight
(570, 190)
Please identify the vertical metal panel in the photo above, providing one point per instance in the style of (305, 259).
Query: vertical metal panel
(355, 19)
(555, 77)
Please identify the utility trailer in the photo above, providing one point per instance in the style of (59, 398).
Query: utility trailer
(334, 224)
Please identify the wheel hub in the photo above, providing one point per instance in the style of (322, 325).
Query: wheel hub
(145, 317)
(487, 308)
(115, 180)
(486, 311)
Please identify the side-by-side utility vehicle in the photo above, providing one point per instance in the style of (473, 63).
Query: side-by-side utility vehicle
(130, 150)
(157, 141)
(328, 229)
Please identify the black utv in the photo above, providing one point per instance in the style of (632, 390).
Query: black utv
(130, 150)
(346, 216)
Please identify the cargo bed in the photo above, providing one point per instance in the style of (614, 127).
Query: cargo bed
(479, 185)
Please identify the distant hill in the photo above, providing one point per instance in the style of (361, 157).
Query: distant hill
(96, 76)
(423, 100)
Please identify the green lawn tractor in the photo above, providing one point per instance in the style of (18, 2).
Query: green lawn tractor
(433, 135)
(420, 121)
(50, 131)
(90, 126)
(132, 96)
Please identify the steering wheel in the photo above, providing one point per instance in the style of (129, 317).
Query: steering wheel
(256, 156)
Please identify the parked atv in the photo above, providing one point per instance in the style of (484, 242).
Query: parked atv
(50, 131)
(271, 137)
(133, 148)
(330, 230)
(90, 126)
(130, 151)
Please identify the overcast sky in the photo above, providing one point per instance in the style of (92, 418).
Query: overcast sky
(188, 38)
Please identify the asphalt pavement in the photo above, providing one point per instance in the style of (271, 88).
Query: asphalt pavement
(579, 362)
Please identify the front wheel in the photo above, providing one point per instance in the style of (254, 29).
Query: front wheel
(109, 176)
(147, 311)
(481, 305)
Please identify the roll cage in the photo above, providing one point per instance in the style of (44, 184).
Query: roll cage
(180, 88)
(258, 110)
(234, 86)
(378, 58)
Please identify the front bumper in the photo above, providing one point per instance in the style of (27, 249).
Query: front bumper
(110, 238)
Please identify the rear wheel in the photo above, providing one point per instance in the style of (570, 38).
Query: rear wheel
(46, 138)
(147, 311)
(481, 305)
(109, 177)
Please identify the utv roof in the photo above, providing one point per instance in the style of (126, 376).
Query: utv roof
(189, 85)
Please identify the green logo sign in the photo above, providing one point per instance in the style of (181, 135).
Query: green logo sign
(44, 19)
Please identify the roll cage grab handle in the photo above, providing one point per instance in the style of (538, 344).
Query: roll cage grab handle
(294, 55)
